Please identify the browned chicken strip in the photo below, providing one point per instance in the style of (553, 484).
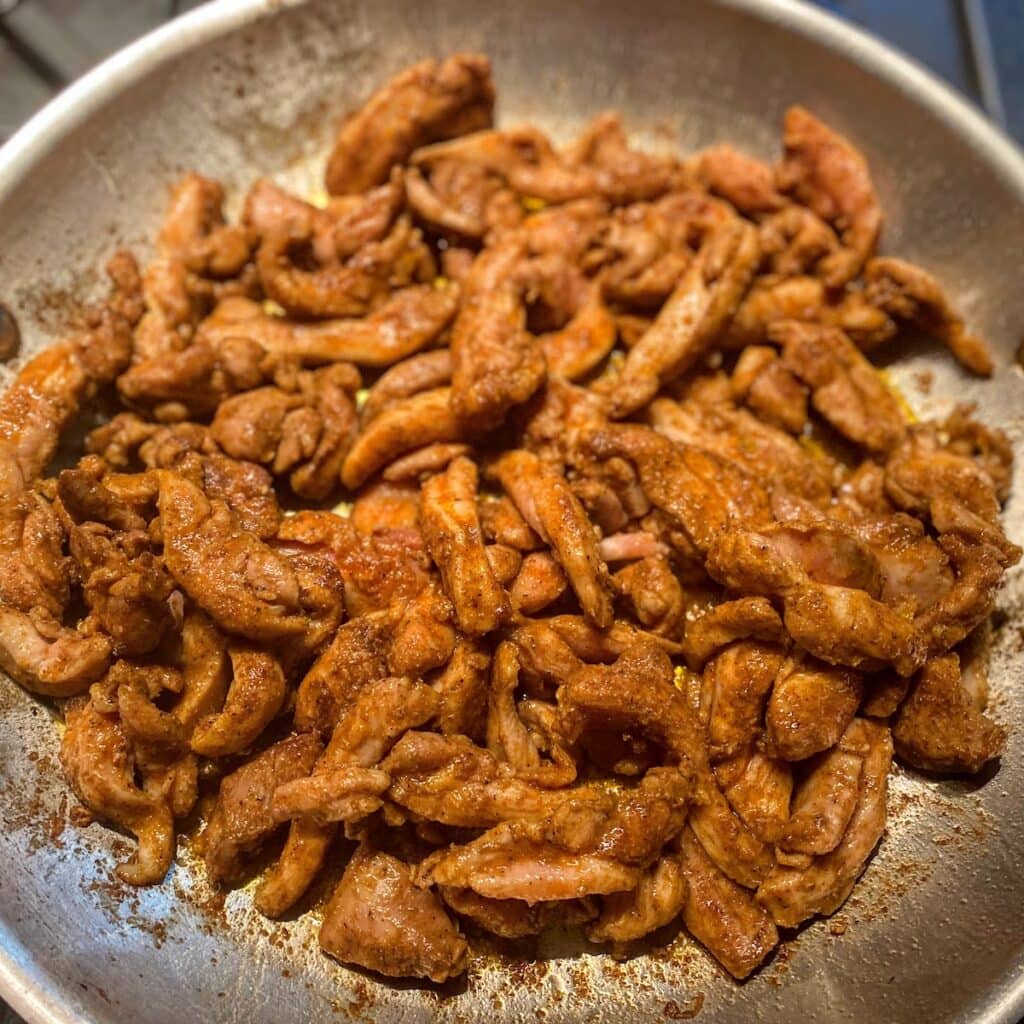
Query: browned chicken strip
(376, 918)
(452, 532)
(722, 915)
(496, 363)
(792, 895)
(425, 103)
(828, 175)
(940, 728)
(548, 504)
(691, 319)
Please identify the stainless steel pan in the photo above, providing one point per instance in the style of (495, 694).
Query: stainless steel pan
(935, 932)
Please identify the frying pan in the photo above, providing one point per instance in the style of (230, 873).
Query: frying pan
(935, 930)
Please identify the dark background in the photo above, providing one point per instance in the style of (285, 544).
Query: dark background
(975, 45)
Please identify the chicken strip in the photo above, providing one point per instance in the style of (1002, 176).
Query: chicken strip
(378, 919)
(745, 182)
(424, 372)
(590, 844)
(722, 915)
(733, 847)
(402, 326)
(422, 419)
(810, 707)
(688, 324)
(827, 798)
(827, 620)
(703, 494)
(356, 657)
(548, 504)
(654, 903)
(754, 446)
(451, 530)
(581, 345)
(99, 763)
(746, 618)
(939, 728)
(496, 363)
(845, 388)
(792, 895)
(824, 172)
(636, 693)
(909, 293)
(244, 585)
(425, 103)
(759, 789)
(739, 679)
(241, 820)
(449, 780)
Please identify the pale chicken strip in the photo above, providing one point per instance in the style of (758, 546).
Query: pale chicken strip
(451, 530)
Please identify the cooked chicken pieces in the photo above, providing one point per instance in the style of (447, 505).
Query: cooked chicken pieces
(378, 919)
(518, 533)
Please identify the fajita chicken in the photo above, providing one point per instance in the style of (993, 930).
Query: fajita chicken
(522, 535)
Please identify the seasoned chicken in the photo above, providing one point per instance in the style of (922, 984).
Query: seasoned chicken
(654, 903)
(792, 895)
(591, 843)
(909, 293)
(740, 437)
(701, 493)
(827, 797)
(824, 172)
(425, 103)
(379, 919)
(448, 779)
(739, 679)
(241, 820)
(687, 325)
(845, 388)
(722, 915)
(303, 432)
(422, 419)
(747, 618)
(810, 707)
(496, 363)
(451, 529)
(547, 503)
(745, 182)
(98, 762)
(940, 728)
(399, 328)
(527, 517)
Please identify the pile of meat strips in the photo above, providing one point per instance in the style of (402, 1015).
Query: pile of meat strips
(637, 574)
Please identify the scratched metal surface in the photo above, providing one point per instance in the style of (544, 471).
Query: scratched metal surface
(935, 931)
